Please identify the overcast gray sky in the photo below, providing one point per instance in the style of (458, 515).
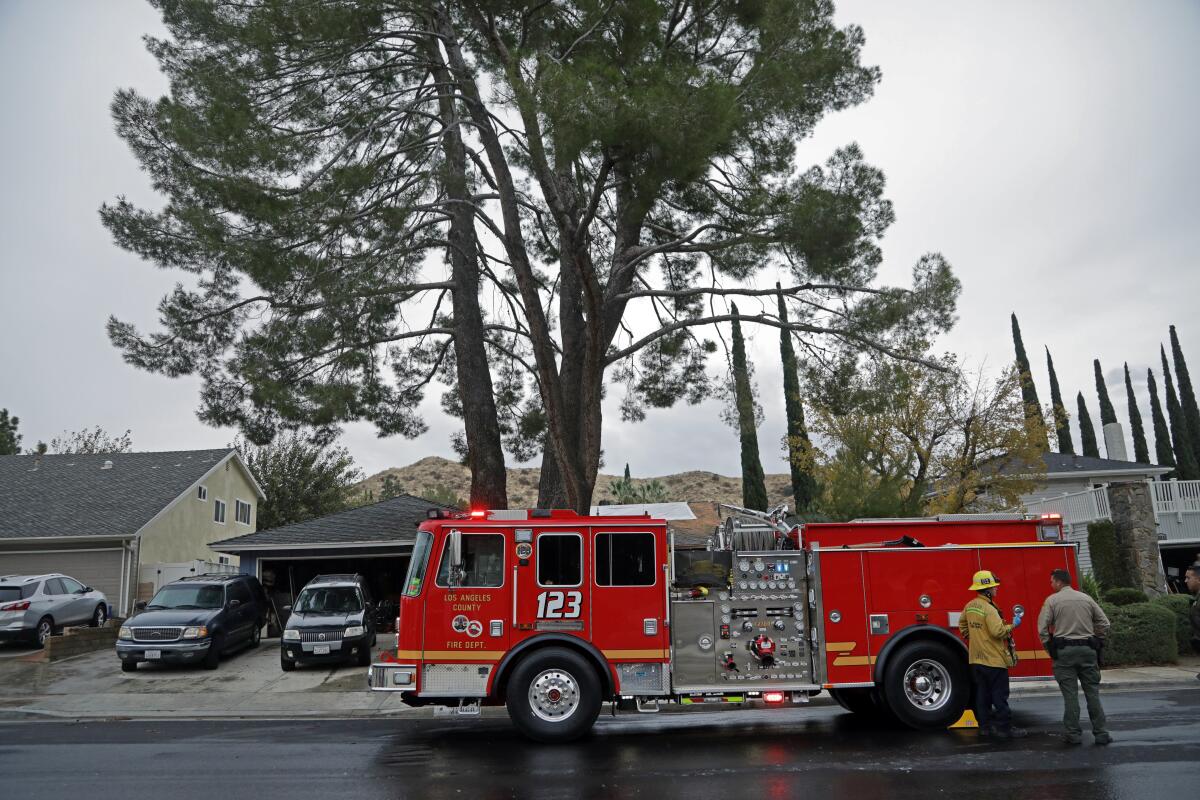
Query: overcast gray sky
(1048, 149)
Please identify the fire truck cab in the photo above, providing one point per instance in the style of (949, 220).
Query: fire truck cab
(552, 614)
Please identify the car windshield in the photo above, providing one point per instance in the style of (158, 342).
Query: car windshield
(328, 600)
(185, 596)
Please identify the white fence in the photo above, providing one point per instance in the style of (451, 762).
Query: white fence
(1077, 507)
(1176, 497)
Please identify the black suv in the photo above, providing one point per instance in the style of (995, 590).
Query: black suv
(332, 620)
(194, 619)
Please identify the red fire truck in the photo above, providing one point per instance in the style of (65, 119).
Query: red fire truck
(551, 614)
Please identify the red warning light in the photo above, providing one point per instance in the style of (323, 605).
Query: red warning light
(480, 514)
(773, 697)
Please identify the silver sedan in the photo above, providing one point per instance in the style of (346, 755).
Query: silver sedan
(34, 607)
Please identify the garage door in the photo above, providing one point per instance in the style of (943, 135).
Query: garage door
(100, 569)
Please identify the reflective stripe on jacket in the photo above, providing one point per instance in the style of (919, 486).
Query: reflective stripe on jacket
(987, 634)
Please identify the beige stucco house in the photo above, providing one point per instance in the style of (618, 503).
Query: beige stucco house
(124, 523)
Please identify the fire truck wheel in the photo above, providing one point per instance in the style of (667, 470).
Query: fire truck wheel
(553, 695)
(926, 685)
(862, 701)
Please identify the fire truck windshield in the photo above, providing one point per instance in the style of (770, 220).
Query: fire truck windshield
(418, 563)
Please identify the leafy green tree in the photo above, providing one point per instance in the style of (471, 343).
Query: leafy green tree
(390, 487)
(1181, 441)
(754, 484)
(627, 492)
(1141, 453)
(444, 495)
(1033, 407)
(301, 478)
(90, 440)
(1087, 433)
(799, 446)
(586, 167)
(1163, 453)
(1187, 396)
(1107, 413)
(1062, 420)
(10, 440)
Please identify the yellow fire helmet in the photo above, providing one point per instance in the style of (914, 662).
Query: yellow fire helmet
(984, 579)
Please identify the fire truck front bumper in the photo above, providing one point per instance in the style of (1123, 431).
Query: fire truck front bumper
(388, 677)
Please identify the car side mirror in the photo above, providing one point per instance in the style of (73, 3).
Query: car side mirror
(140, 605)
(85, 590)
(287, 609)
(454, 547)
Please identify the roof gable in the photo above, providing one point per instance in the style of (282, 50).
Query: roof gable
(75, 495)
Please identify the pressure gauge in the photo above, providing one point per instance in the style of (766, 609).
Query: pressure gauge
(743, 585)
(770, 584)
(744, 565)
(725, 609)
(725, 618)
(723, 596)
(759, 565)
(797, 609)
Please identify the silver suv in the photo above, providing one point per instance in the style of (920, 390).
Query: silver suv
(33, 607)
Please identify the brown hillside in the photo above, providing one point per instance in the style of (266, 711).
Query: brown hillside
(434, 471)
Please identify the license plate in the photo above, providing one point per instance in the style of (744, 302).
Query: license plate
(153, 655)
(320, 650)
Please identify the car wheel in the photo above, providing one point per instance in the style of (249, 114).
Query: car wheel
(129, 666)
(43, 631)
(256, 637)
(286, 664)
(100, 616)
(213, 657)
(553, 696)
(926, 685)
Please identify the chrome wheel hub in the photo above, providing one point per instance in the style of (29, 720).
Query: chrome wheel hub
(927, 685)
(554, 695)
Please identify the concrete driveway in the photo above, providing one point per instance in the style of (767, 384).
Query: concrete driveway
(247, 683)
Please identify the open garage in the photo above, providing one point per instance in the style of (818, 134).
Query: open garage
(374, 541)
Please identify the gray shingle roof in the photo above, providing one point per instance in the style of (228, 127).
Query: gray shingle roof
(1065, 462)
(391, 521)
(73, 495)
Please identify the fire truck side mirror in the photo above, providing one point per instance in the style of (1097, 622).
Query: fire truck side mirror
(454, 549)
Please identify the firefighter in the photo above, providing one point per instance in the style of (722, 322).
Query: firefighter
(1073, 627)
(988, 639)
(1192, 579)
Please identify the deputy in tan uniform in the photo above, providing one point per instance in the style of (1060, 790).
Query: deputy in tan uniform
(1072, 627)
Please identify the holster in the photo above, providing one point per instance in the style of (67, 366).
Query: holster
(1097, 644)
(1052, 648)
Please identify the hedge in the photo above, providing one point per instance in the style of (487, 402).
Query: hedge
(1122, 596)
(1181, 606)
(1142, 633)
(1110, 565)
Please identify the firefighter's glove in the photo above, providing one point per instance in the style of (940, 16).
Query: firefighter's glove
(1017, 620)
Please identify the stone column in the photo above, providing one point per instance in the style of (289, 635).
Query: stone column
(1137, 534)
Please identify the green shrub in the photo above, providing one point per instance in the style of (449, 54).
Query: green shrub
(1090, 586)
(1122, 596)
(1142, 633)
(1181, 606)
(1107, 560)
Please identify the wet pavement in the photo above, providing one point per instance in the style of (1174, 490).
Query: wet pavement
(778, 753)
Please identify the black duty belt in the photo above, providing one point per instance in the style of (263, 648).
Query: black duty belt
(1074, 643)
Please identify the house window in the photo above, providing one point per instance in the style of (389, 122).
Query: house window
(219, 511)
(241, 511)
(201, 492)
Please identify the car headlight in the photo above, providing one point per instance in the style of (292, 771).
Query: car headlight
(199, 632)
(356, 630)
(291, 635)
(125, 633)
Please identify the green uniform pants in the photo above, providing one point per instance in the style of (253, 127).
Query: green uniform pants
(1076, 666)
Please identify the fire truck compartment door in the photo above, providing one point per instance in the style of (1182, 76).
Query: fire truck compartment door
(694, 635)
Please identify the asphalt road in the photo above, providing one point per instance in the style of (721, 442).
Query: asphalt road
(778, 753)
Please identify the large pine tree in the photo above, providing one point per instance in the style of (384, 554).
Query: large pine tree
(1141, 453)
(1162, 436)
(1108, 414)
(1062, 420)
(1186, 468)
(1033, 407)
(1187, 397)
(1087, 433)
(799, 446)
(754, 483)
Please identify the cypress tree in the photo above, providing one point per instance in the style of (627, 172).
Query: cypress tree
(1108, 414)
(799, 446)
(1062, 422)
(1141, 453)
(1181, 442)
(1162, 438)
(1087, 433)
(1187, 397)
(754, 483)
(1033, 407)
